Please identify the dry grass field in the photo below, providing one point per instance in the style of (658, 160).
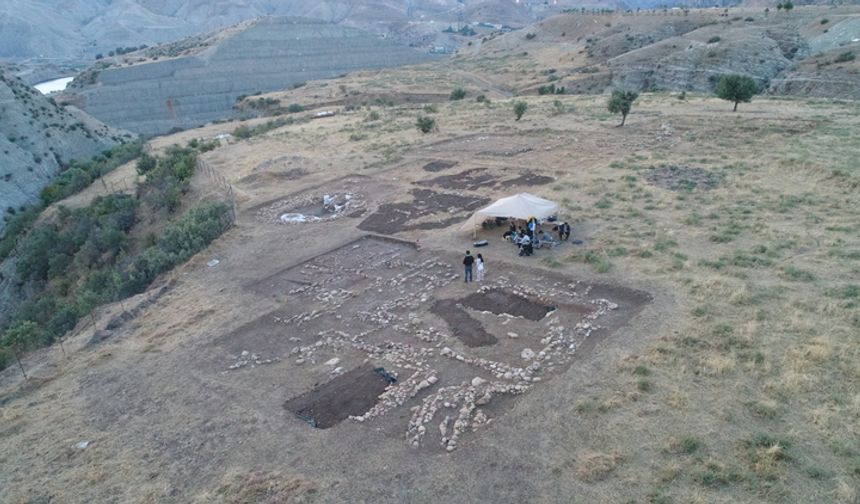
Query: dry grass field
(736, 381)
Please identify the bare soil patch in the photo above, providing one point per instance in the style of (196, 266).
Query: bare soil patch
(528, 179)
(471, 179)
(345, 199)
(496, 145)
(393, 218)
(274, 176)
(383, 301)
(462, 325)
(437, 166)
(683, 178)
(498, 301)
(351, 394)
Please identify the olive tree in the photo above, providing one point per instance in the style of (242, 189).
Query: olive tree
(20, 336)
(736, 88)
(620, 102)
(520, 108)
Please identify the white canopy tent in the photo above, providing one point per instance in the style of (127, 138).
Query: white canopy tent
(520, 206)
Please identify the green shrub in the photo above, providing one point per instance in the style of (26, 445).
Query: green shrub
(294, 108)
(425, 124)
(844, 57)
(458, 94)
(520, 108)
(80, 175)
(714, 40)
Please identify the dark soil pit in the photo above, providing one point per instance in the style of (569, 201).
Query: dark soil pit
(437, 166)
(352, 393)
(396, 217)
(499, 301)
(472, 179)
(683, 178)
(463, 326)
(528, 179)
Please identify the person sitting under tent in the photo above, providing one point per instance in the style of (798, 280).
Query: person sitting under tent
(512, 231)
(543, 239)
(526, 248)
(563, 231)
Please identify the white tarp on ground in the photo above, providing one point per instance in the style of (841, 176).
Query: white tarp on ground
(520, 206)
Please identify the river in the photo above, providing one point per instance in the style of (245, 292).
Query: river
(52, 86)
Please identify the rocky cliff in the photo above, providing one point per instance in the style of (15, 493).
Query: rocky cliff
(38, 138)
(202, 84)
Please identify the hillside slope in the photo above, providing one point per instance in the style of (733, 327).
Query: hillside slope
(38, 138)
(203, 82)
(80, 29)
(808, 52)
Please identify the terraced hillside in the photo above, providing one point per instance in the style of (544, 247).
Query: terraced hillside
(203, 82)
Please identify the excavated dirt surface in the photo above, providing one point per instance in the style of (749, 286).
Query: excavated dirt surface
(393, 218)
(349, 199)
(472, 179)
(381, 302)
(437, 166)
(476, 178)
(499, 302)
(683, 178)
(527, 179)
(352, 393)
(462, 325)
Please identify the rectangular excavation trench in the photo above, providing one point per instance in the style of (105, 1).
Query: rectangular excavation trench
(352, 393)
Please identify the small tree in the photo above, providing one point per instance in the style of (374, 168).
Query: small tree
(520, 108)
(425, 124)
(788, 5)
(779, 6)
(458, 94)
(19, 337)
(736, 88)
(146, 164)
(620, 102)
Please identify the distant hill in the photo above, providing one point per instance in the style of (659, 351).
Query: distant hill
(38, 139)
(197, 80)
(812, 51)
(78, 30)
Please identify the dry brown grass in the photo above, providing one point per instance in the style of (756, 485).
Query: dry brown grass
(734, 344)
(260, 488)
(596, 466)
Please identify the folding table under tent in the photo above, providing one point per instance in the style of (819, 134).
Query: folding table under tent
(520, 206)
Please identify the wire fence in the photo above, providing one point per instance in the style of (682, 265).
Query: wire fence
(221, 185)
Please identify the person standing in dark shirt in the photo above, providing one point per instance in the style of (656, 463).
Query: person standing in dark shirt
(468, 261)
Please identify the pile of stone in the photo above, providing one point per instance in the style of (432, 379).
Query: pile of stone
(463, 401)
(247, 358)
